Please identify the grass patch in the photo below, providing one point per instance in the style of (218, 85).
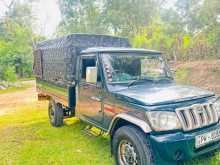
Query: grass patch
(216, 71)
(26, 79)
(28, 138)
(14, 89)
(182, 75)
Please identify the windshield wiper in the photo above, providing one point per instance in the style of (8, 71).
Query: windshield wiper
(133, 82)
(165, 78)
(138, 80)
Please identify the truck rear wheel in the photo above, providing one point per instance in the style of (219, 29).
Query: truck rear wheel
(130, 147)
(55, 113)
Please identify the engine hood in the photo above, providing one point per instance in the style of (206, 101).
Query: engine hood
(160, 94)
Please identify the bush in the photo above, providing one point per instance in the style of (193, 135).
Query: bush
(9, 74)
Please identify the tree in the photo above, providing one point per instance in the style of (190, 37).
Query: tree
(127, 17)
(16, 42)
(81, 17)
(117, 17)
(186, 30)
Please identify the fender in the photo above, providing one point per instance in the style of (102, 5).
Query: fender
(132, 119)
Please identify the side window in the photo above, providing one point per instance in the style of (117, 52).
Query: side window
(86, 62)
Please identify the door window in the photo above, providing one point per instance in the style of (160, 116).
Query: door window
(89, 62)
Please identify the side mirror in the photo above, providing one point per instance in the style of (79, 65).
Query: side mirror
(91, 75)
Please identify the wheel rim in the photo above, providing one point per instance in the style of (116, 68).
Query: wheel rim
(51, 112)
(127, 154)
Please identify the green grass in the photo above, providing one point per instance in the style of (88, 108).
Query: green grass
(14, 89)
(26, 78)
(28, 139)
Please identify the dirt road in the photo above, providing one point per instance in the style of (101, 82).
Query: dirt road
(10, 101)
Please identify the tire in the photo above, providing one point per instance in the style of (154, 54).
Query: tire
(55, 113)
(137, 145)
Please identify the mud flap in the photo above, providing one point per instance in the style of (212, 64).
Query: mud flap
(42, 97)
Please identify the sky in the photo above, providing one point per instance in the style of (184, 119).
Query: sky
(47, 15)
(46, 12)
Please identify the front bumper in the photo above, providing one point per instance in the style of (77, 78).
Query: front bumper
(181, 145)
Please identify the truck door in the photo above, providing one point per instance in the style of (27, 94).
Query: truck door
(90, 90)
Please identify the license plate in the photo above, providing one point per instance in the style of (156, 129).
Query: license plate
(202, 140)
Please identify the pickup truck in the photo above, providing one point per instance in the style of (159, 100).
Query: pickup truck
(129, 94)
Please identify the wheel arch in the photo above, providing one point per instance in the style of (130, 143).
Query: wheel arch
(121, 120)
(126, 119)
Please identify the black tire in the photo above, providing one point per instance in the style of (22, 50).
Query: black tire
(55, 113)
(139, 143)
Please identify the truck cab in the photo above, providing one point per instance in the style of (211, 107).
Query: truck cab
(135, 87)
(109, 79)
(131, 95)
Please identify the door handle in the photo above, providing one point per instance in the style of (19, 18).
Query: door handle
(96, 98)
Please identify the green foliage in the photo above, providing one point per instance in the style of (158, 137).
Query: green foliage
(126, 18)
(81, 17)
(189, 30)
(118, 17)
(16, 43)
(139, 41)
(9, 74)
(182, 74)
(186, 41)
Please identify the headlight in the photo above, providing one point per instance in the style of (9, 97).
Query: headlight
(217, 106)
(163, 121)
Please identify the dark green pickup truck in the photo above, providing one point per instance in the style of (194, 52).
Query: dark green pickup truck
(129, 94)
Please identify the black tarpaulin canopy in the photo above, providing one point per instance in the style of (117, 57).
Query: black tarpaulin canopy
(55, 60)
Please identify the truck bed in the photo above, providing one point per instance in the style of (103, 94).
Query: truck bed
(55, 63)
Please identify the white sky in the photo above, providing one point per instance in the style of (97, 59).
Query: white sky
(46, 12)
(48, 15)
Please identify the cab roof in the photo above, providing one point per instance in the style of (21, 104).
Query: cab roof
(118, 50)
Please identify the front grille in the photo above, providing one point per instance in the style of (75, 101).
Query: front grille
(197, 116)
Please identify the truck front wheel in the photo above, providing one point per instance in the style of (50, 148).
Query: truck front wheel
(130, 147)
(55, 113)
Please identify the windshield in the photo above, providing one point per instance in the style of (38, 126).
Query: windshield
(128, 67)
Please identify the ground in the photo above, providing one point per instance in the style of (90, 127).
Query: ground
(205, 74)
(27, 138)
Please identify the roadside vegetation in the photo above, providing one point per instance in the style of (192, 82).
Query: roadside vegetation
(12, 89)
(6, 87)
